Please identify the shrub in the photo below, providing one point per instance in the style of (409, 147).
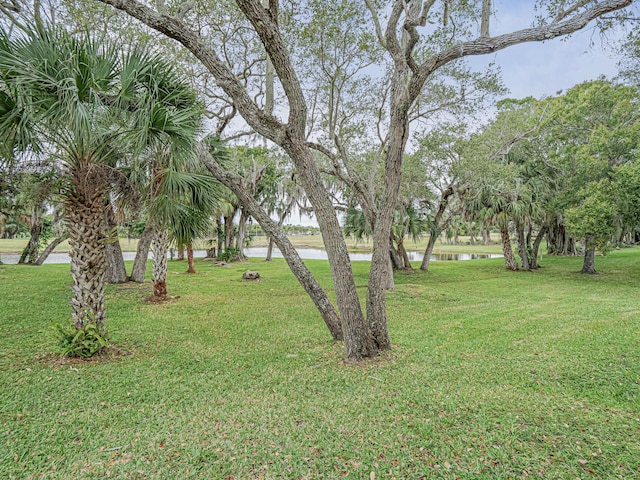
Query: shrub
(83, 343)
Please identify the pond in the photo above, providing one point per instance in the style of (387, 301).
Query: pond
(261, 252)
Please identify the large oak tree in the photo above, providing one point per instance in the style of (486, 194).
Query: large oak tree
(418, 39)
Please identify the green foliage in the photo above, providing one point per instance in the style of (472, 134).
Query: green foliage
(228, 255)
(626, 184)
(595, 215)
(83, 343)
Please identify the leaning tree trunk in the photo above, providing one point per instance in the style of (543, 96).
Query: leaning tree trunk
(428, 251)
(142, 254)
(191, 268)
(47, 251)
(85, 221)
(275, 232)
(30, 252)
(589, 264)
(536, 247)
(357, 336)
(405, 256)
(394, 256)
(159, 246)
(509, 258)
(116, 271)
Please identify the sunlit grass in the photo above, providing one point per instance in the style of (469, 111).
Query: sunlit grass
(494, 374)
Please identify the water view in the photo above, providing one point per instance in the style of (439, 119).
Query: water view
(261, 252)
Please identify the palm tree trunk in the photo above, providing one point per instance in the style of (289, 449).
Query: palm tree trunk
(394, 255)
(190, 262)
(85, 221)
(472, 238)
(142, 254)
(116, 271)
(509, 257)
(405, 256)
(522, 247)
(159, 246)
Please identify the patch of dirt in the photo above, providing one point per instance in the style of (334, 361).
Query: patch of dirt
(112, 353)
(380, 360)
(161, 300)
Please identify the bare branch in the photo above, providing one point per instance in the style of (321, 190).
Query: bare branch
(481, 46)
(376, 22)
(562, 14)
(267, 29)
(265, 125)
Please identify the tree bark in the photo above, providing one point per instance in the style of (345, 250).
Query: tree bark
(229, 230)
(559, 242)
(242, 224)
(405, 256)
(142, 254)
(426, 259)
(536, 246)
(190, 261)
(589, 263)
(357, 337)
(30, 252)
(116, 271)
(394, 255)
(522, 247)
(220, 234)
(509, 258)
(160, 245)
(47, 251)
(180, 255)
(85, 221)
(269, 250)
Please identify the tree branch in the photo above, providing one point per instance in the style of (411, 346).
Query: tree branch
(481, 46)
(266, 125)
(376, 22)
(486, 15)
(267, 29)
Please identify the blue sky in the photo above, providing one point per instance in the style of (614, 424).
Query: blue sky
(542, 69)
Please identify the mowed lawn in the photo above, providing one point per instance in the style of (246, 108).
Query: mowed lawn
(494, 374)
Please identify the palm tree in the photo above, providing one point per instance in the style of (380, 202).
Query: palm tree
(91, 107)
(181, 199)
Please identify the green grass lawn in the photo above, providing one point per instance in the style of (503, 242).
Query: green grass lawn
(494, 374)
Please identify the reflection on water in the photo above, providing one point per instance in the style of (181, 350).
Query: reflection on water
(261, 252)
(316, 254)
